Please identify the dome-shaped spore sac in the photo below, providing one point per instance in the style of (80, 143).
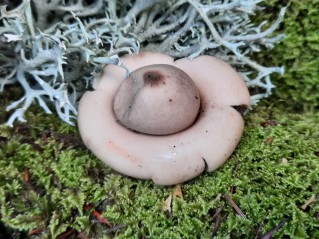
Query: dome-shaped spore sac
(157, 99)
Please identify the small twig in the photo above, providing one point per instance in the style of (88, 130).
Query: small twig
(234, 205)
(35, 232)
(217, 225)
(217, 218)
(114, 228)
(258, 230)
(66, 234)
(269, 234)
(101, 219)
(98, 215)
(219, 210)
(308, 202)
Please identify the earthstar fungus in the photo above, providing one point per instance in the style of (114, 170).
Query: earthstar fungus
(168, 120)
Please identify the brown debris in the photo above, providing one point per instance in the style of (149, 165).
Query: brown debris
(234, 205)
(178, 191)
(217, 218)
(258, 231)
(217, 225)
(26, 175)
(98, 215)
(35, 232)
(66, 234)
(218, 212)
(269, 234)
(269, 123)
(101, 219)
(67, 140)
(114, 228)
(270, 139)
(167, 204)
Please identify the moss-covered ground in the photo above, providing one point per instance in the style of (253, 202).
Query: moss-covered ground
(51, 186)
(298, 52)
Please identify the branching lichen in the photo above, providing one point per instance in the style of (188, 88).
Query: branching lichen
(55, 49)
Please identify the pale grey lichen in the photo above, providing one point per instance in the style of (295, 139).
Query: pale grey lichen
(55, 48)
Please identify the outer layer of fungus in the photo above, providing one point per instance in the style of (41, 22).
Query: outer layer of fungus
(166, 159)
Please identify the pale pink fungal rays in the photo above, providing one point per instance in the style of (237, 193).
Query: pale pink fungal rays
(168, 120)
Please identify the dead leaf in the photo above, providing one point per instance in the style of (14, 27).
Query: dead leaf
(166, 207)
(178, 191)
(167, 204)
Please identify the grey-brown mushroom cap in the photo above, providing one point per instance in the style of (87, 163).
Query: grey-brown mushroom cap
(175, 158)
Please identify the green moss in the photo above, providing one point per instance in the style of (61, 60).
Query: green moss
(298, 53)
(64, 177)
(50, 184)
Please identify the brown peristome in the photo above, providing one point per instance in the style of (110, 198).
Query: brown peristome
(175, 158)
